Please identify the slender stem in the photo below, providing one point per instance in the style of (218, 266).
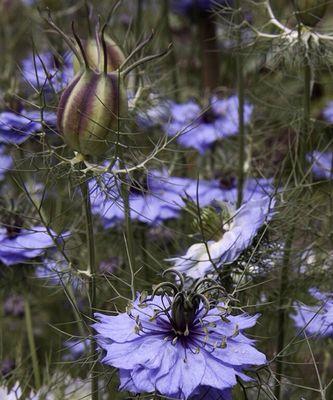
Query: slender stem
(173, 61)
(92, 281)
(209, 52)
(31, 340)
(284, 283)
(241, 101)
(304, 140)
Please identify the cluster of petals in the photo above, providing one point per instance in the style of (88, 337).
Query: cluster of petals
(24, 244)
(197, 127)
(17, 127)
(187, 7)
(143, 345)
(321, 164)
(165, 196)
(315, 320)
(240, 230)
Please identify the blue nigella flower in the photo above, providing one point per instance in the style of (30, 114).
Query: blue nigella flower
(18, 245)
(237, 235)
(76, 349)
(162, 197)
(14, 393)
(16, 128)
(178, 345)
(6, 162)
(42, 72)
(189, 7)
(322, 164)
(199, 128)
(328, 112)
(315, 320)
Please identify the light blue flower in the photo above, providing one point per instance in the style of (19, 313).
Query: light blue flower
(157, 346)
(238, 234)
(6, 162)
(315, 320)
(321, 164)
(19, 245)
(201, 128)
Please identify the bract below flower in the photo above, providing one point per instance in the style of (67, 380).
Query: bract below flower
(155, 350)
(241, 229)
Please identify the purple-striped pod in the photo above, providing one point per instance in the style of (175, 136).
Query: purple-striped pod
(310, 12)
(89, 111)
(95, 57)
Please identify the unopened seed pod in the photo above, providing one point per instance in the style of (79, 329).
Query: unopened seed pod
(89, 111)
(310, 12)
(95, 57)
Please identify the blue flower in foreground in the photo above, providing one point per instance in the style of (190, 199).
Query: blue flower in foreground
(14, 393)
(237, 235)
(16, 128)
(42, 71)
(18, 245)
(322, 164)
(178, 345)
(6, 162)
(315, 320)
(200, 129)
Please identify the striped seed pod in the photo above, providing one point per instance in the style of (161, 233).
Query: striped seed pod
(310, 12)
(92, 104)
(89, 110)
(94, 53)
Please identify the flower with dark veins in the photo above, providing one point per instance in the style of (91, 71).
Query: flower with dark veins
(179, 344)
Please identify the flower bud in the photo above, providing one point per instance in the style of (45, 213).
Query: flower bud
(94, 53)
(310, 12)
(89, 110)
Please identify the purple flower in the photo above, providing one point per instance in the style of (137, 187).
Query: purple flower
(322, 164)
(237, 235)
(18, 245)
(162, 196)
(328, 112)
(189, 7)
(76, 349)
(14, 305)
(200, 128)
(6, 162)
(43, 71)
(17, 128)
(315, 320)
(177, 345)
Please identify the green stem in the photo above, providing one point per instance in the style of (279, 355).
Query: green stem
(241, 101)
(284, 283)
(31, 340)
(91, 269)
